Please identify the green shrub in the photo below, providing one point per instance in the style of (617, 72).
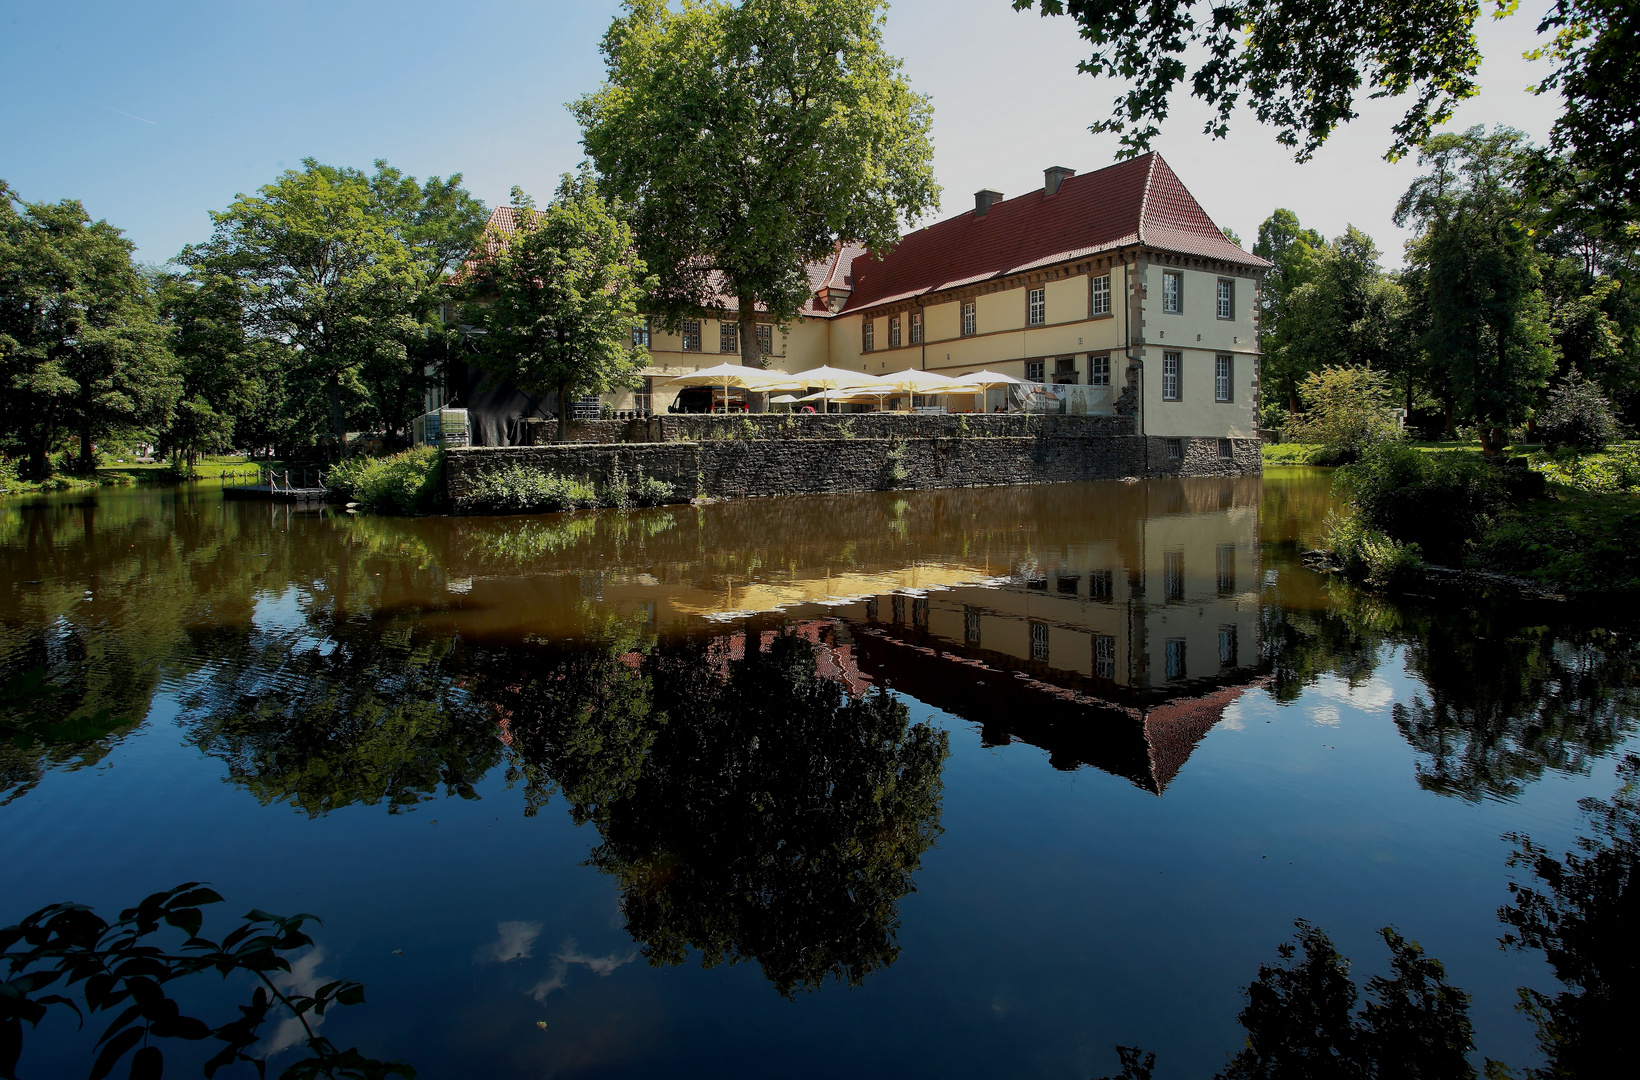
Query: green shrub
(1439, 502)
(1578, 417)
(1297, 454)
(1346, 411)
(407, 483)
(1371, 557)
(624, 493)
(516, 489)
(1610, 473)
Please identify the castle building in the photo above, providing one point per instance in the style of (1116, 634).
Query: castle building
(1115, 280)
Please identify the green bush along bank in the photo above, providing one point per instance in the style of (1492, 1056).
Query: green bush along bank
(412, 482)
(1562, 521)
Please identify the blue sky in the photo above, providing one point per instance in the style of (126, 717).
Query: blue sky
(154, 114)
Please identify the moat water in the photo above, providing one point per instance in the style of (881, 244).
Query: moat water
(971, 783)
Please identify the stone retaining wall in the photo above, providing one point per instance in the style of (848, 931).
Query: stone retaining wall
(1023, 450)
(698, 427)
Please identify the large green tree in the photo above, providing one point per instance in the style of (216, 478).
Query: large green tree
(753, 137)
(82, 350)
(341, 267)
(1489, 335)
(559, 299)
(1328, 305)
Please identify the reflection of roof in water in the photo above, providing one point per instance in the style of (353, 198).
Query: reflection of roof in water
(1147, 744)
(834, 657)
(758, 597)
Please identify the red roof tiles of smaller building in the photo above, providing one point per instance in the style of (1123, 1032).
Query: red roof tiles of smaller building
(1141, 201)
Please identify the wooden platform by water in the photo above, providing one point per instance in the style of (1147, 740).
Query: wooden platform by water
(287, 485)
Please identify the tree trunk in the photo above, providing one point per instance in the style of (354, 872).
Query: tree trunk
(88, 462)
(563, 412)
(748, 349)
(338, 423)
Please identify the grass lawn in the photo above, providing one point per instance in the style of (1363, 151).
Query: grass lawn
(224, 469)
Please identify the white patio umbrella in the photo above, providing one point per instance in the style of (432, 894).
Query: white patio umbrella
(983, 381)
(828, 378)
(784, 399)
(918, 381)
(725, 375)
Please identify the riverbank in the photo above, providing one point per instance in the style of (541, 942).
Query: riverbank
(1545, 527)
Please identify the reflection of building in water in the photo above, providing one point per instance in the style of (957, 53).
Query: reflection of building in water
(1121, 650)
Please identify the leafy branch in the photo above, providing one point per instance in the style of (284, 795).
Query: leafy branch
(114, 968)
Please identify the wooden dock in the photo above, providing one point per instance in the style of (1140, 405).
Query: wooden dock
(292, 486)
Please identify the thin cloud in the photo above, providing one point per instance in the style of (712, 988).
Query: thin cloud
(514, 940)
(302, 979)
(569, 953)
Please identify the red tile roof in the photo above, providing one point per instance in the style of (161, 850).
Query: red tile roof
(1141, 201)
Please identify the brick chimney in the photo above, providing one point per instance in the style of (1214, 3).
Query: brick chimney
(984, 199)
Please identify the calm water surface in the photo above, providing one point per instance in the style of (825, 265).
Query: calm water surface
(966, 783)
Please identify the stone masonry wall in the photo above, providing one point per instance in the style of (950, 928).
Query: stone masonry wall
(925, 452)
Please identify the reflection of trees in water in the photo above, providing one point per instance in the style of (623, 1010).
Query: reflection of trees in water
(748, 808)
(368, 712)
(102, 593)
(1502, 701)
(1584, 914)
(1506, 703)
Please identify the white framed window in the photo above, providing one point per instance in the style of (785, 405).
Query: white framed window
(1099, 295)
(916, 328)
(1227, 646)
(1036, 307)
(1099, 370)
(1224, 369)
(765, 339)
(1172, 375)
(1172, 292)
(970, 625)
(728, 337)
(868, 335)
(894, 331)
(970, 325)
(1033, 371)
(640, 334)
(691, 335)
(1227, 298)
(1100, 585)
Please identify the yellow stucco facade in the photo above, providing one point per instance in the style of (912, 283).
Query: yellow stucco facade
(1139, 334)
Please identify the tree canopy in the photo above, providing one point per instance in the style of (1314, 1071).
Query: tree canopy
(560, 296)
(82, 349)
(340, 267)
(1301, 64)
(1298, 64)
(754, 137)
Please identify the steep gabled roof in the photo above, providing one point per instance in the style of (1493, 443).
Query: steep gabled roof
(1141, 201)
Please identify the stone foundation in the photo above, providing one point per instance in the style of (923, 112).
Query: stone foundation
(738, 457)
